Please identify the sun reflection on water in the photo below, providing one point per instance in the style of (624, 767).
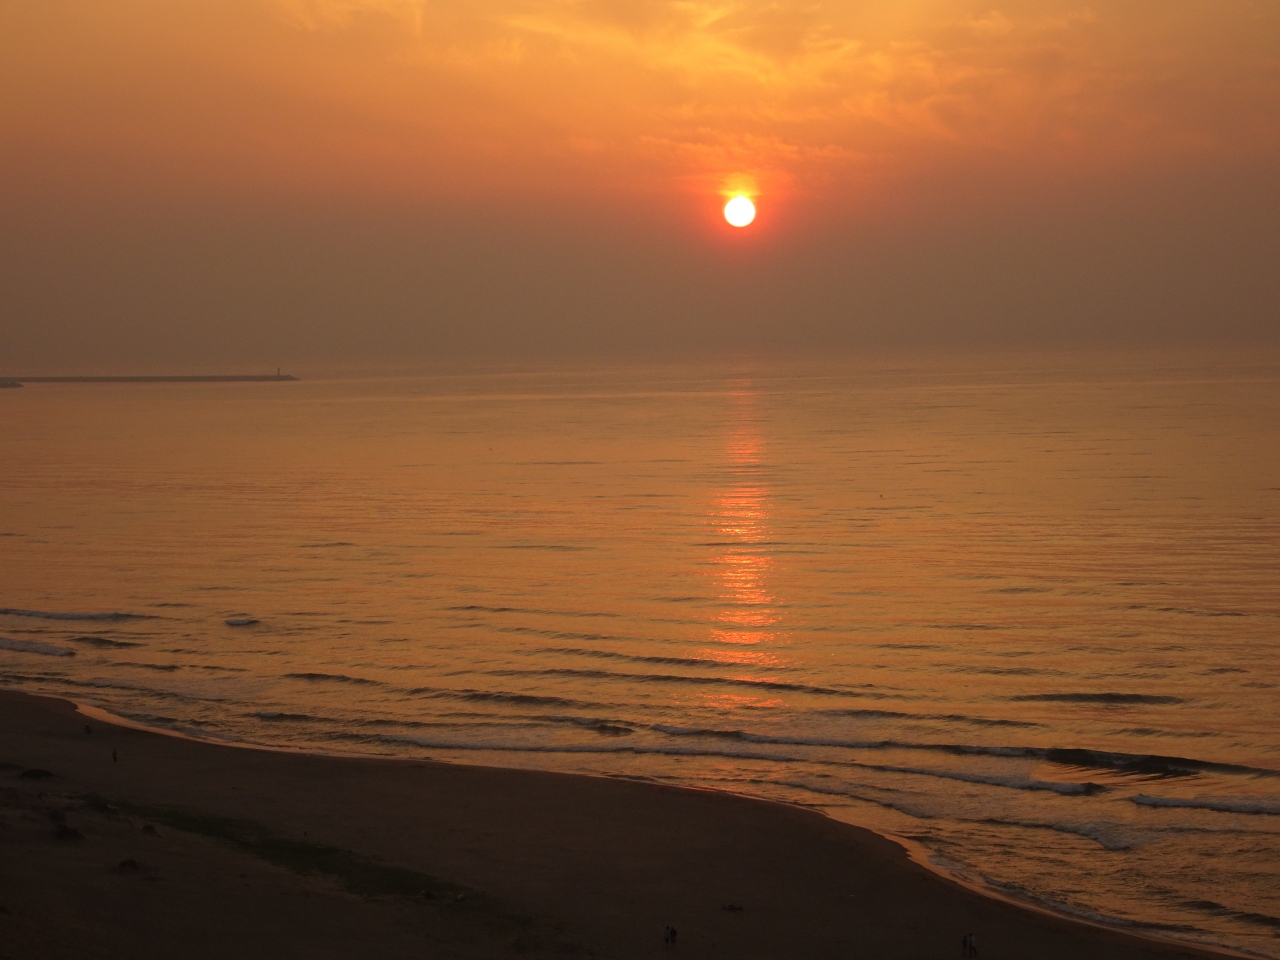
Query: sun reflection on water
(743, 562)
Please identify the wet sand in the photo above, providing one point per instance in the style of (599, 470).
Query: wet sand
(186, 848)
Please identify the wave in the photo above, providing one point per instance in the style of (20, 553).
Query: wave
(109, 685)
(747, 737)
(1258, 806)
(104, 642)
(272, 716)
(46, 615)
(634, 658)
(609, 729)
(841, 791)
(557, 634)
(682, 678)
(1109, 698)
(991, 780)
(1221, 910)
(279, 716)
(35, 646)
(1188, 612)
(154, 719)
(1020, 892)
(1012, 782)
(594, 748)
(949, 717)
(480, 608)
(557, 547)
(1261, 919)
(1109, 836)
(1149, 765)
(333, 677)
(486, 696)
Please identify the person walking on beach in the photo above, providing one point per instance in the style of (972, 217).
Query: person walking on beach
(973, 945)
(964, 945)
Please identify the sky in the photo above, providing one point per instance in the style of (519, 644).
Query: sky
(197, 183)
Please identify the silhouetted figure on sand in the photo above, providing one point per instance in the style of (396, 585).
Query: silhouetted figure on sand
(114, 757)
(88, 729)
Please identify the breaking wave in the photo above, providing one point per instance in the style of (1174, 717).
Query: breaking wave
(1259, 806)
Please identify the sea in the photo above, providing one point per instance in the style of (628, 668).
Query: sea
(1020, 610)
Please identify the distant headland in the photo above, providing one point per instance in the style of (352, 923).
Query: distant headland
(218, 378)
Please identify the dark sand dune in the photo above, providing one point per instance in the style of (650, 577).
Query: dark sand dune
(194, 850)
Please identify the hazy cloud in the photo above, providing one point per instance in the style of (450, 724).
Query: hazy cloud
(401, 175)
(346, 14)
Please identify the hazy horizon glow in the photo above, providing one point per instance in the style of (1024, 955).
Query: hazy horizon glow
(294, 176)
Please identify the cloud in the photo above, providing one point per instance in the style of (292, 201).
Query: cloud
(318, 15)
(440, 95)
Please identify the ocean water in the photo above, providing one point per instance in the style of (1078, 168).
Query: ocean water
(1022, 610)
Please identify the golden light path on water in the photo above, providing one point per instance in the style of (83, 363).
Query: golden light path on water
(742, 517)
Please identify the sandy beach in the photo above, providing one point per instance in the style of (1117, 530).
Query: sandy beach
(124, 842)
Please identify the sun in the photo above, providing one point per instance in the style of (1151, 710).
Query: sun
(739, 211)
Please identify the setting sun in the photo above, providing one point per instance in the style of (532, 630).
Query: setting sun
(739, 211)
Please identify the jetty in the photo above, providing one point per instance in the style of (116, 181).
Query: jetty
(218, 378)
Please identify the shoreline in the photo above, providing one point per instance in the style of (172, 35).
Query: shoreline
(574, 847)
(917, 852)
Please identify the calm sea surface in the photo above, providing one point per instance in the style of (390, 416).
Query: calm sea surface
(1024, 611)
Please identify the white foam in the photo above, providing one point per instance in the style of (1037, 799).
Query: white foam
(1266, 806)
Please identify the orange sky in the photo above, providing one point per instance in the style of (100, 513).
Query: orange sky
(636, 111)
